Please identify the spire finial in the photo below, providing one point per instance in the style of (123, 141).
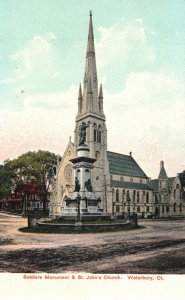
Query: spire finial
(80, 92)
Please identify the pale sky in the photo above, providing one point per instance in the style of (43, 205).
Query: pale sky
(140, 51)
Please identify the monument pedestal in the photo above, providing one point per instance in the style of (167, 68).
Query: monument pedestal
(83, 200)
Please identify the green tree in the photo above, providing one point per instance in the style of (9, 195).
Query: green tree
(34, 165)
(6, 180)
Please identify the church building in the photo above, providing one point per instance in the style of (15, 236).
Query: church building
(118, 181)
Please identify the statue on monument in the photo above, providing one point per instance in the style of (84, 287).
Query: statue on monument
(77, 185)
(88, 185)
(82, 133)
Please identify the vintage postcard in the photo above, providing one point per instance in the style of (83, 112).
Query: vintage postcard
(92, 159)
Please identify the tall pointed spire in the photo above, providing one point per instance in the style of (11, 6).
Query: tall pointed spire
(80, 99)
(101, 99)
(162, 174)
(90, 68)
(90, 103)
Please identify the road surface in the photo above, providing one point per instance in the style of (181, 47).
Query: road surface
(156, 249)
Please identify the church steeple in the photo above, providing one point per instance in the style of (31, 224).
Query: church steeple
(91, 103)
(90, 68)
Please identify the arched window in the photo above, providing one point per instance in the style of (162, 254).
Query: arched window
(117, 195)
(134, 195)
(174, 207)
(97, 133)
(123, 195)
(147, 197)
(128, 196)
(138, 197)
(117, 209)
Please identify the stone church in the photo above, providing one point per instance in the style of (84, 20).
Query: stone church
(117, 179)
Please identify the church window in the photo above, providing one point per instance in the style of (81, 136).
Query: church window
(180, 208)
(99, 137)
(137, 196)
(147, 197)
(134, 195)
(174, 193)
(174, 207)
(95, 134)
(121, 178)
(167, 209)
(87, 171)
(141, 181)
(123, 195)
(159, 198)
(138, 208)
(163, 209)
(147, 209)
(128, 196)
(117, 195)
(117, 209)
(78, 171)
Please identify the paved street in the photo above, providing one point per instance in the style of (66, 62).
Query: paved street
(157, 248)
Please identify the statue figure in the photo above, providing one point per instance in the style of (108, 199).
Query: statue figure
(88, 185)
(77, 185)
(82, 133)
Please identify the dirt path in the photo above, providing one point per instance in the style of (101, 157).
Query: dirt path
(158, 248)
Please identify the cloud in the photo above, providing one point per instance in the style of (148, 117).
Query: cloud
(36, 62)
(125, 40)
(147, 118)
(149, 90)
(63, 100)
(39, 126)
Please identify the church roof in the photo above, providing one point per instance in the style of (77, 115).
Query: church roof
(154, 183)
(171, 181)
(162, 174)
(130, 185)
(124, 165)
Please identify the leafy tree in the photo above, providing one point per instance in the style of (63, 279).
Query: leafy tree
(6, 180)
(34, 165)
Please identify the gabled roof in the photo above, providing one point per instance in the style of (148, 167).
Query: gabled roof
(124, 165)
(154, 183)
(130, 185)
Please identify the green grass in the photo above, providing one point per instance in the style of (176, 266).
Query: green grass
(60, 231)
